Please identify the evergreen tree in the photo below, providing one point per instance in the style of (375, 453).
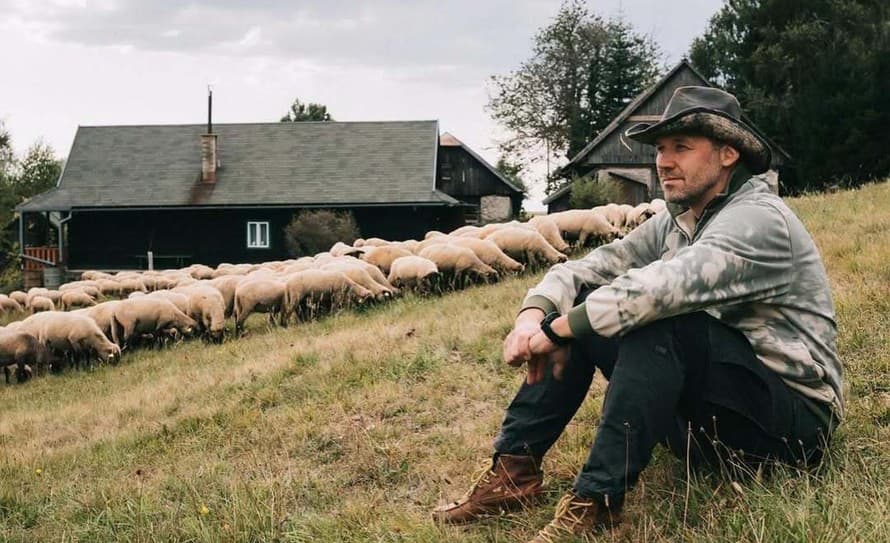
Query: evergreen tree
(815, 76)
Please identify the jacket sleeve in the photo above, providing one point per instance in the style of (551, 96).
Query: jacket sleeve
(744, 255)
(562, 283)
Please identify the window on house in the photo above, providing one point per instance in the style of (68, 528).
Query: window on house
(257, 235)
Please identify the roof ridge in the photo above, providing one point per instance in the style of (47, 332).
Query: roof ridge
(256, 123)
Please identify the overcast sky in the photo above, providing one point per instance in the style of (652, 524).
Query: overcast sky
(81, 62)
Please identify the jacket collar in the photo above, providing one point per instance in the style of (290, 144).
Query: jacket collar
(685, 219)
(739, 176)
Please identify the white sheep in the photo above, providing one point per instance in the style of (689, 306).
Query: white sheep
(314, 289)
(525, 245)
(458, 263)
(413, 272)
(71, 333)
(264, 295)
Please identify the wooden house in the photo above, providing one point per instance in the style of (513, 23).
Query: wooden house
(224, 193)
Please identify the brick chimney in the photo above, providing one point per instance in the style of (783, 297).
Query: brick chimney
(209, 146)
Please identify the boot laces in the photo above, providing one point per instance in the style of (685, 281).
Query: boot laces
(569, 513)
(482, 477)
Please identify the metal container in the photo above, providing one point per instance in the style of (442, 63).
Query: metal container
(52, 277)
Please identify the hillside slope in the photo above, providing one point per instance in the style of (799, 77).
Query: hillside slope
(352, 428)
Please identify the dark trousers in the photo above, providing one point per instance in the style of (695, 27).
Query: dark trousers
(689, 382)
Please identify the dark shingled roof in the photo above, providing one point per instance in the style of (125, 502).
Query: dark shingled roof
(303, 163)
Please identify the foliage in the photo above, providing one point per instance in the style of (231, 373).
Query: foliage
(314, 231)
(815, 76)
(36, 172)
(588, 193)
(306, 112)
(511, 171)
(39, 171)
(583, 72)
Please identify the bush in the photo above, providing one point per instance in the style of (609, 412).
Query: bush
(313, 232)
(587, 193)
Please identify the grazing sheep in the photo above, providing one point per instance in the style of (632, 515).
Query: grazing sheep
(489, 252)
(226, 285)
(208, 307)
(341, 249)
(526, 245)
(41, 303)
(109, 287)
(200, 271)
(20, 297)
(19, 351)
(75, 298)
(264, 295)
(315, 289)
(382, 257)
(148, 315)
(458, 263)
(548, 228)
(71, 333)
(413, 272)
(8, 305)
(638, 215)
(78, 285)
(625, 209)
(586, 224)
(613, 213)
(102, 314)
(359, 272)
(130, 284)
(180, 300)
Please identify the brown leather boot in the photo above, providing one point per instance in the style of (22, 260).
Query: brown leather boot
(579, 517)
(510, 482)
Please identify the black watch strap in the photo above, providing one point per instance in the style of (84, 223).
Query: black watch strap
(548, 331)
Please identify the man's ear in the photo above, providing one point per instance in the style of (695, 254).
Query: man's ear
(729, 155)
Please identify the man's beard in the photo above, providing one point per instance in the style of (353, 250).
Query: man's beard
(689, 194)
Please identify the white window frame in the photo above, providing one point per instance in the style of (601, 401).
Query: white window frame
(256, 242)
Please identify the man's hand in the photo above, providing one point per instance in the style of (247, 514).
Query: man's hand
(545, 351)
(516, 345)
(527, 344)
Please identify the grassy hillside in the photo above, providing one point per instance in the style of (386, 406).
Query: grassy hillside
(352, 428)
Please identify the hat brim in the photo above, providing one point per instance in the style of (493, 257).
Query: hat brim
(754, 150)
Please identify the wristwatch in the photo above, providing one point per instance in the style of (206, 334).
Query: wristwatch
(548, 331)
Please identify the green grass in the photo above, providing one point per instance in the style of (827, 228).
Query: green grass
(353, 427)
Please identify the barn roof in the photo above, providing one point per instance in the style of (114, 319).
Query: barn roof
(261, 164)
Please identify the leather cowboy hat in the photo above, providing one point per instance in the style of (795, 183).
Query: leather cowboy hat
(710, 112)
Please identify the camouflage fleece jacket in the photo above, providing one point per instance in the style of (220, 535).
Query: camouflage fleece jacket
(748, 261)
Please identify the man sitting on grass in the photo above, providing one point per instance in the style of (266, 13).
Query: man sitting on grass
(713, 323)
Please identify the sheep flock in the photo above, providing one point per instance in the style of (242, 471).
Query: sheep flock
(101, 315)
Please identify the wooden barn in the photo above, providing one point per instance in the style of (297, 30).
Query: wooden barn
(631, 165)
(224, 193)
